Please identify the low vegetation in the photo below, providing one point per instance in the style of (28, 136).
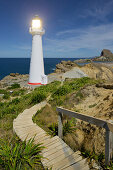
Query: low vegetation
(17, 155)
(68, 127)
(14, 86)
(46, 117)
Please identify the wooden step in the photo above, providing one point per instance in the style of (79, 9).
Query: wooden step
(65, 151)
(78, 166)
(53, 150)
(75, 157)
(68, 161)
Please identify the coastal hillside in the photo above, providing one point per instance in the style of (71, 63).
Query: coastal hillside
(85, 89)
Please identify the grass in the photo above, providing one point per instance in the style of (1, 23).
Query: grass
(6, 96)
(17, 155)
(93, 105)
(3, 91)
(27, 100)
(59, 96)
(68, 127)
(14, 86)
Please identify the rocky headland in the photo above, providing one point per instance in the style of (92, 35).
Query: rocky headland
(105, 56)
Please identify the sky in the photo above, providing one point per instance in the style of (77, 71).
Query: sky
(73, 28)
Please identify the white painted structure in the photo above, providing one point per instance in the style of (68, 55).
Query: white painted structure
(36, 75)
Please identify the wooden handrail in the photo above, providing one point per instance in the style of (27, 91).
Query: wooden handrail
(107, 125)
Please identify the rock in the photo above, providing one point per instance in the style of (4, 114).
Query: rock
(65, 66)
(106, 53)
(105, 86)
(12, 74)
(17, 74)
(83, 61)
(63, 62)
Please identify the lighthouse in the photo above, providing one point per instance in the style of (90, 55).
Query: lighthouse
(36, 75)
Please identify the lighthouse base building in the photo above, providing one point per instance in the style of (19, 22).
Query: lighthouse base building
(36, 75)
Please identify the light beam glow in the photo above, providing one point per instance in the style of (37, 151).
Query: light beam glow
(36, 23)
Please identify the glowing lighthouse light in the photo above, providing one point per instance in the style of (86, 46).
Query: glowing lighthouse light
(36, 23)
(36, 75)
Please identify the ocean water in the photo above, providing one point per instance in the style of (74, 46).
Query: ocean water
(21, 65)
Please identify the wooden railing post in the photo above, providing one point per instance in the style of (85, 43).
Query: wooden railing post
(108, 146)
(60, 125)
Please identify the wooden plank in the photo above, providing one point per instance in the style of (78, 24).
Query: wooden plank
(18, 125)
(58, 153)
(64, 164)
(60, 125)
(53, 150)
(42, 139)
(30, 135)
(89, 119)
(52, 146)
(52, 161)
(67, 161)
(46, 143)
(51, 141)
(28, 131)
(108, 146)
(78, 166)
(61, 157)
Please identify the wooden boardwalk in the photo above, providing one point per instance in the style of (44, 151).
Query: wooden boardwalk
(57, 154)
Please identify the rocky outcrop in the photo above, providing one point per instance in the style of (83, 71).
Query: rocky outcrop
(106, 55)
(64, 66)
(14, 78)
(69, 69)
(98, 71)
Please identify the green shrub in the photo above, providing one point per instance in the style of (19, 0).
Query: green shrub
(53, 129)
(49, 88)
(17, 155)
(15, 93)
(9, 110)
(14, 86)
(2, 91)
(37, 97)
(15, 101)
(6, 96)
(19, 92)
(1, 104)
(57, 101)
(61, 91)
(22, 91)
(68, 127)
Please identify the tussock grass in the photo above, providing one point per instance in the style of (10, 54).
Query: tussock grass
(18, 155)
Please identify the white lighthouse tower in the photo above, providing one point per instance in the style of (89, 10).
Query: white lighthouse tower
(36, 75)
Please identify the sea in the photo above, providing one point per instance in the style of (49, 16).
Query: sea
(22, 65)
